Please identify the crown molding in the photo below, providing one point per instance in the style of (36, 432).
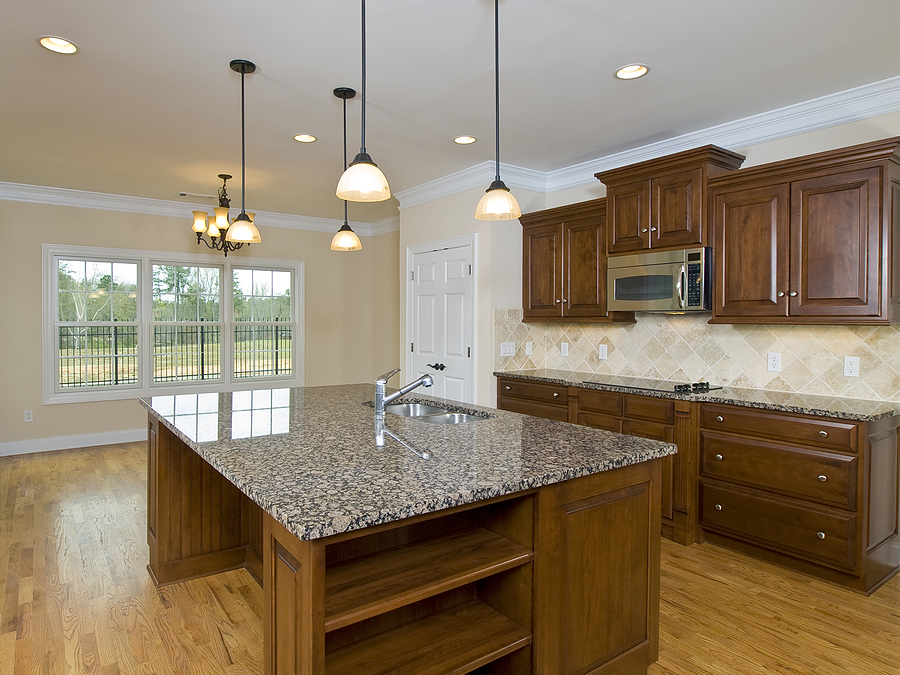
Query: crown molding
(101, 201)
(850, 105)
(384, 226)
(478, 176)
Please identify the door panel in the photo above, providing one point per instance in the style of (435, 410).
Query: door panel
(541, 271)
(678, 209)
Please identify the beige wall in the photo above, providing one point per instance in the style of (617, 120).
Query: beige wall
(340, 343)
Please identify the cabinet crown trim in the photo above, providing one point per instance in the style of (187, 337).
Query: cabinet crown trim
(711, 154)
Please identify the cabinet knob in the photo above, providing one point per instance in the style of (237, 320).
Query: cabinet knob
(558, 301)
(780, 294)
(563, 299)
(793, 294)
(644, 229)
(719, 418)
(823, 434)
(555, 394)
(718, 507)
(719, 457)
(823, 479)
(820, 535)
(508, 387)
(653, 229)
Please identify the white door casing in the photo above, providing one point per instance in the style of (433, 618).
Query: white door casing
(441, 317)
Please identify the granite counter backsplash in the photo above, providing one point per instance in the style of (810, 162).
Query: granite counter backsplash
(807, 404)
(308, 457)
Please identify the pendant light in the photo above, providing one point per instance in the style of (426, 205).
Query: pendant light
(363, 181)
(345, 239)
(243, 230)
(498, 203)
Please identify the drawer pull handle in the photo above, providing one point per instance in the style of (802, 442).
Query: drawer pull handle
(719, 418)
(719, 457)
(823, 479)
(555, 394)
(820, 535)
(823, 434)
(508, 388)
(718, 507)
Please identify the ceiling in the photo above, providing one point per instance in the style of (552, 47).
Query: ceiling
(150, 108)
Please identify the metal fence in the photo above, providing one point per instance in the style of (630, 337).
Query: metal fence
(98, 355)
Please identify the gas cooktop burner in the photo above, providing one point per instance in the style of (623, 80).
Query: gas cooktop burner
(652, 385)
(694, 388)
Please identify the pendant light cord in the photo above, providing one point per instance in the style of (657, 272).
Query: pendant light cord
(345, 153)
(362, 148)
(243, 152)
(496, 78)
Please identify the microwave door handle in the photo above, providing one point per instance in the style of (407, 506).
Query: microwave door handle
(679, 286)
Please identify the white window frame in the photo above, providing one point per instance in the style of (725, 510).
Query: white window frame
(53, 393)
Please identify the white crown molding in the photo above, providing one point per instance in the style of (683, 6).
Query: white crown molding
(851, 105)
(384, 226)
(54, 196)
(478, 176)
(68, 442)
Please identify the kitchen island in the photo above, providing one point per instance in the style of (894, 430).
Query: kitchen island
(519, 546)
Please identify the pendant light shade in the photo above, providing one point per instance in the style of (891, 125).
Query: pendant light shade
(363, 181)
(498, 202)
(243, 231)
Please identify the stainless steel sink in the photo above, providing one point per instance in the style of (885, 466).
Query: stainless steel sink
(450, 418)
(414, 409)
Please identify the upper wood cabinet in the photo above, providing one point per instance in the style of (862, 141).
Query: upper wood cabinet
(564, 264)
(660, 203)
(812, 240)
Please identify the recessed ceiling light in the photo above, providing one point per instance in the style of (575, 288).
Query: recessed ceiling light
(465, 140)
(57, 44)
(305, 138)
(632, 71)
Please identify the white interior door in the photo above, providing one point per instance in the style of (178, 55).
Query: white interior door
(443, 320)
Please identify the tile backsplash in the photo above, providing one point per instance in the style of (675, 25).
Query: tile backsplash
(688, 349)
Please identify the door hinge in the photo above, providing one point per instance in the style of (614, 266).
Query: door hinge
(470, 270)
(410, 346)
(469, 352)
(412, 276)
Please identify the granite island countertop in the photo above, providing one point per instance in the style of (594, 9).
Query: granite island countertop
(307, 455)
(806, 404)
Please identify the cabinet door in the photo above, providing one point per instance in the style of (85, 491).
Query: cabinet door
(836, 245)
(541, 271)
(584, 268)
(677, 203)
(666, 434)
(752, 236)
(628, 217)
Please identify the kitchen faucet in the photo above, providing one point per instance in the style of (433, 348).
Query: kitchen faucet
(382, 399)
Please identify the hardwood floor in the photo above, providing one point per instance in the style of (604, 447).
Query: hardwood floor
(78, 599)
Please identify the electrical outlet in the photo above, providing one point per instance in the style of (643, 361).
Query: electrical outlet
(528, 348)
(603, 352)
(774, 362)
(29, 415)
(851, 366)
(507, 349)
(564, 348)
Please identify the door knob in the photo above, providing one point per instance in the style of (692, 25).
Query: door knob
(436, 365)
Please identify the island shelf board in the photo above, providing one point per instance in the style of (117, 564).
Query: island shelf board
(370, 585)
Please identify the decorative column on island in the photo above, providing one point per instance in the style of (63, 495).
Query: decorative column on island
(521, 545)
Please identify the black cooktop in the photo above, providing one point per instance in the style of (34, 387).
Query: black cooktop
(652, 385)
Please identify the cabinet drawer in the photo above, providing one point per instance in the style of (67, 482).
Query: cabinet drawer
(649, 408)
(603, 402)
(545, 410)
(827, 433)
(822, 476)
(596, 421)
(815, 533)
(536, 391)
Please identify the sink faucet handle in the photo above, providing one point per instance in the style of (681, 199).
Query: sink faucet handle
(382, 379)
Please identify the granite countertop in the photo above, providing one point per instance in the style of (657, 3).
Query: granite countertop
(307, 455)
(807, 404)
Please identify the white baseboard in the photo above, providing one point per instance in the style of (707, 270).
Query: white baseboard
(68, 442)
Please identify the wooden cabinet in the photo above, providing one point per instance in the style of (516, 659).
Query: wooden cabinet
(661, 203)
(666, 420)
(816, 494)
(541, 399)
(564, 264)
(810, 240)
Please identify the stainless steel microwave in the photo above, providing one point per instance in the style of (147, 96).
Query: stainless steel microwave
(660, 281)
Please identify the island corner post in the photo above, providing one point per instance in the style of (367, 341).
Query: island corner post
(560, 579)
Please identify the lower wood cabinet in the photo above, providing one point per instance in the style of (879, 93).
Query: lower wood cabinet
(816, 494)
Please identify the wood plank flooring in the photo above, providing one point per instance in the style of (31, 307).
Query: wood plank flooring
(77, 597)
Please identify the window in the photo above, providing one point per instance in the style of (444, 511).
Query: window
(121, 324)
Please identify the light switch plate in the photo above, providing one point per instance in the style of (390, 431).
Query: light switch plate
(507, 349)
(851, 366)
(564, 348)
(774, 362)
(603, 352)
(528, 348)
